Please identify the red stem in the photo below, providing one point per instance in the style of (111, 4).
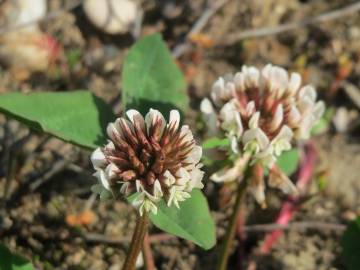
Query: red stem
(290, 206)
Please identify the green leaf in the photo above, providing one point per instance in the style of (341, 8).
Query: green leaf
(78, 117)
(215, 142)
(288, 161)
(351, 245)
(151, 79)
(192, 221)
(10, 261)
(324, 122)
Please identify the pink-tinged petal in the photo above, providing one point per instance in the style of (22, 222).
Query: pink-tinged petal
(134, 115)
(152, 117)
(294, 116)
(239, 81)
(295, 83)
(113, 130)
(250, 108)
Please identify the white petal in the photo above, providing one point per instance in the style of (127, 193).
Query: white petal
(98, 159)
(254, 120)
(196, 176)
(250, 108)
(151, 117)
(110, 146)
(252, 75)
(231, 121)
(134, 114)
(280, 79)
(249, 135)
(239, 80)
(265, 72)
(101, 175)
(262, 139)
(169, 178)
(177, 195)
(157, 189)
(139, 186)
(183, 177)
(210, 117)
(308, 91)
(113, 130)
(218, 91)
(278, 118)
(124, 189)
(319, 110)
(294, 116)
(174, 118)
(295, 83)
(195, 155)
(111, 170)
(234, 144)
(206, 106)
(186, 132)
(285, 133)
(257, 185)
(277, 179)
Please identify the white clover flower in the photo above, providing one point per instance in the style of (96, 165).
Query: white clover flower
(158, 160)
(262, 112)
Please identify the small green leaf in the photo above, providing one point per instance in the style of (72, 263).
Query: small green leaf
(288, 161)
(351, 245)
(324, 122)
(78, 117)
(10, 261)
(216, 142)
(192, 221)
(73, 57)
(151, 79)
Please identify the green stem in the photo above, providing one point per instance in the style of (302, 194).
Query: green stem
(136, 241)
(230, 232)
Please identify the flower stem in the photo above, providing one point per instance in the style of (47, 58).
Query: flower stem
(230, 232)
(136, 241)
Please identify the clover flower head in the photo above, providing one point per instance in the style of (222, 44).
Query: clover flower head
(148, 156)
(262, 112)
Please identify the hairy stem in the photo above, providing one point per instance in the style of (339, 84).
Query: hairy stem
(230, 232)
(136, 241)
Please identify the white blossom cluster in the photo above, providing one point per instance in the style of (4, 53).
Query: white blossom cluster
(262, 112)
(158, 160)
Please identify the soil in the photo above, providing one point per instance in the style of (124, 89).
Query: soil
(48, 213)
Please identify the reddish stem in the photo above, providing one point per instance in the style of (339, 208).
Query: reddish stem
(290, 206)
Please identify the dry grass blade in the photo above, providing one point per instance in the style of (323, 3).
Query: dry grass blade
(267, 31)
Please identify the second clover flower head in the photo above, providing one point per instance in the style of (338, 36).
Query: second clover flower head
(158, 160)
(262, 112)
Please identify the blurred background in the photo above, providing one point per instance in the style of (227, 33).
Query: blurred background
(47, 211)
